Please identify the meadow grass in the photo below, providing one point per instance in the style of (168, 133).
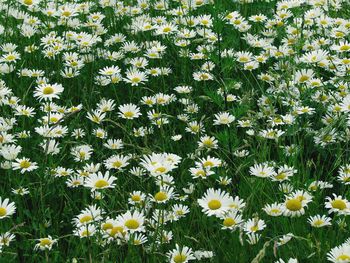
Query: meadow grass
(221, 108)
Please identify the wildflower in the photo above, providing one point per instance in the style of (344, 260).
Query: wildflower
(45, 243)
(100, 181)
(215, 202)
(180, 254)
(24, 164)
(48, 91)
(7, 208)
(129, 111)
(133, 222)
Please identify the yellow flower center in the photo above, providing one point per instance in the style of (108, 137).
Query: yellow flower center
(28, 2)
(345, 48)
(135, 80)
(53, 119)
(66, 13)
(85, 219)
(45, 242)
(3, 211)
(280, 176)
(107, 226)
(208, 163)
(200, 173)
(160, 196)
(117, 164)
(180, 258)
(208, 143)
(129, 114)
(214, 204)
(132, 224)
(160, 169)
(229, 222)
(136, 198)
(48, 90)
(343, 257)
(318, 222)
(101, 183)
(10, 57)
(304, 78)
(85, 233)
(293, 204)
(115, 230)
(254, 228)
(24, 164)
(275, 211)
(339, 204)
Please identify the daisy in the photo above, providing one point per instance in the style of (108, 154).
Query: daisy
(6, 208)
(254, 225)
(237, 204)
(87, 216)
(20, 191)
(133, 222)
(209, 162)
(24, 164)
(166, 29)
(74, 181)
(109, 71)
(319, 221)
(29, 3)
(303, 75)
(202, 76)
(231, 220)
(163, 195)
(136, 197)
(340, 254)
(96, 116)
(129, 111)
(338, 205)
(114, 144)
(160, 164)
(271, 133)
(180, 255)
(82, 153)
(344, 174)
(180, 211)
(10, 151)
(99, 181)
(85, 231)
(48, 91)
(45, 243)
(117, 162)
(274, 209)
(294, 207)
(343, 46)
(208, 142)
(6, 238)
(215, 202)
(283, 173)
(223, 118)
(262, 170)
(199, 172)
(138, 239)
(135, 77)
